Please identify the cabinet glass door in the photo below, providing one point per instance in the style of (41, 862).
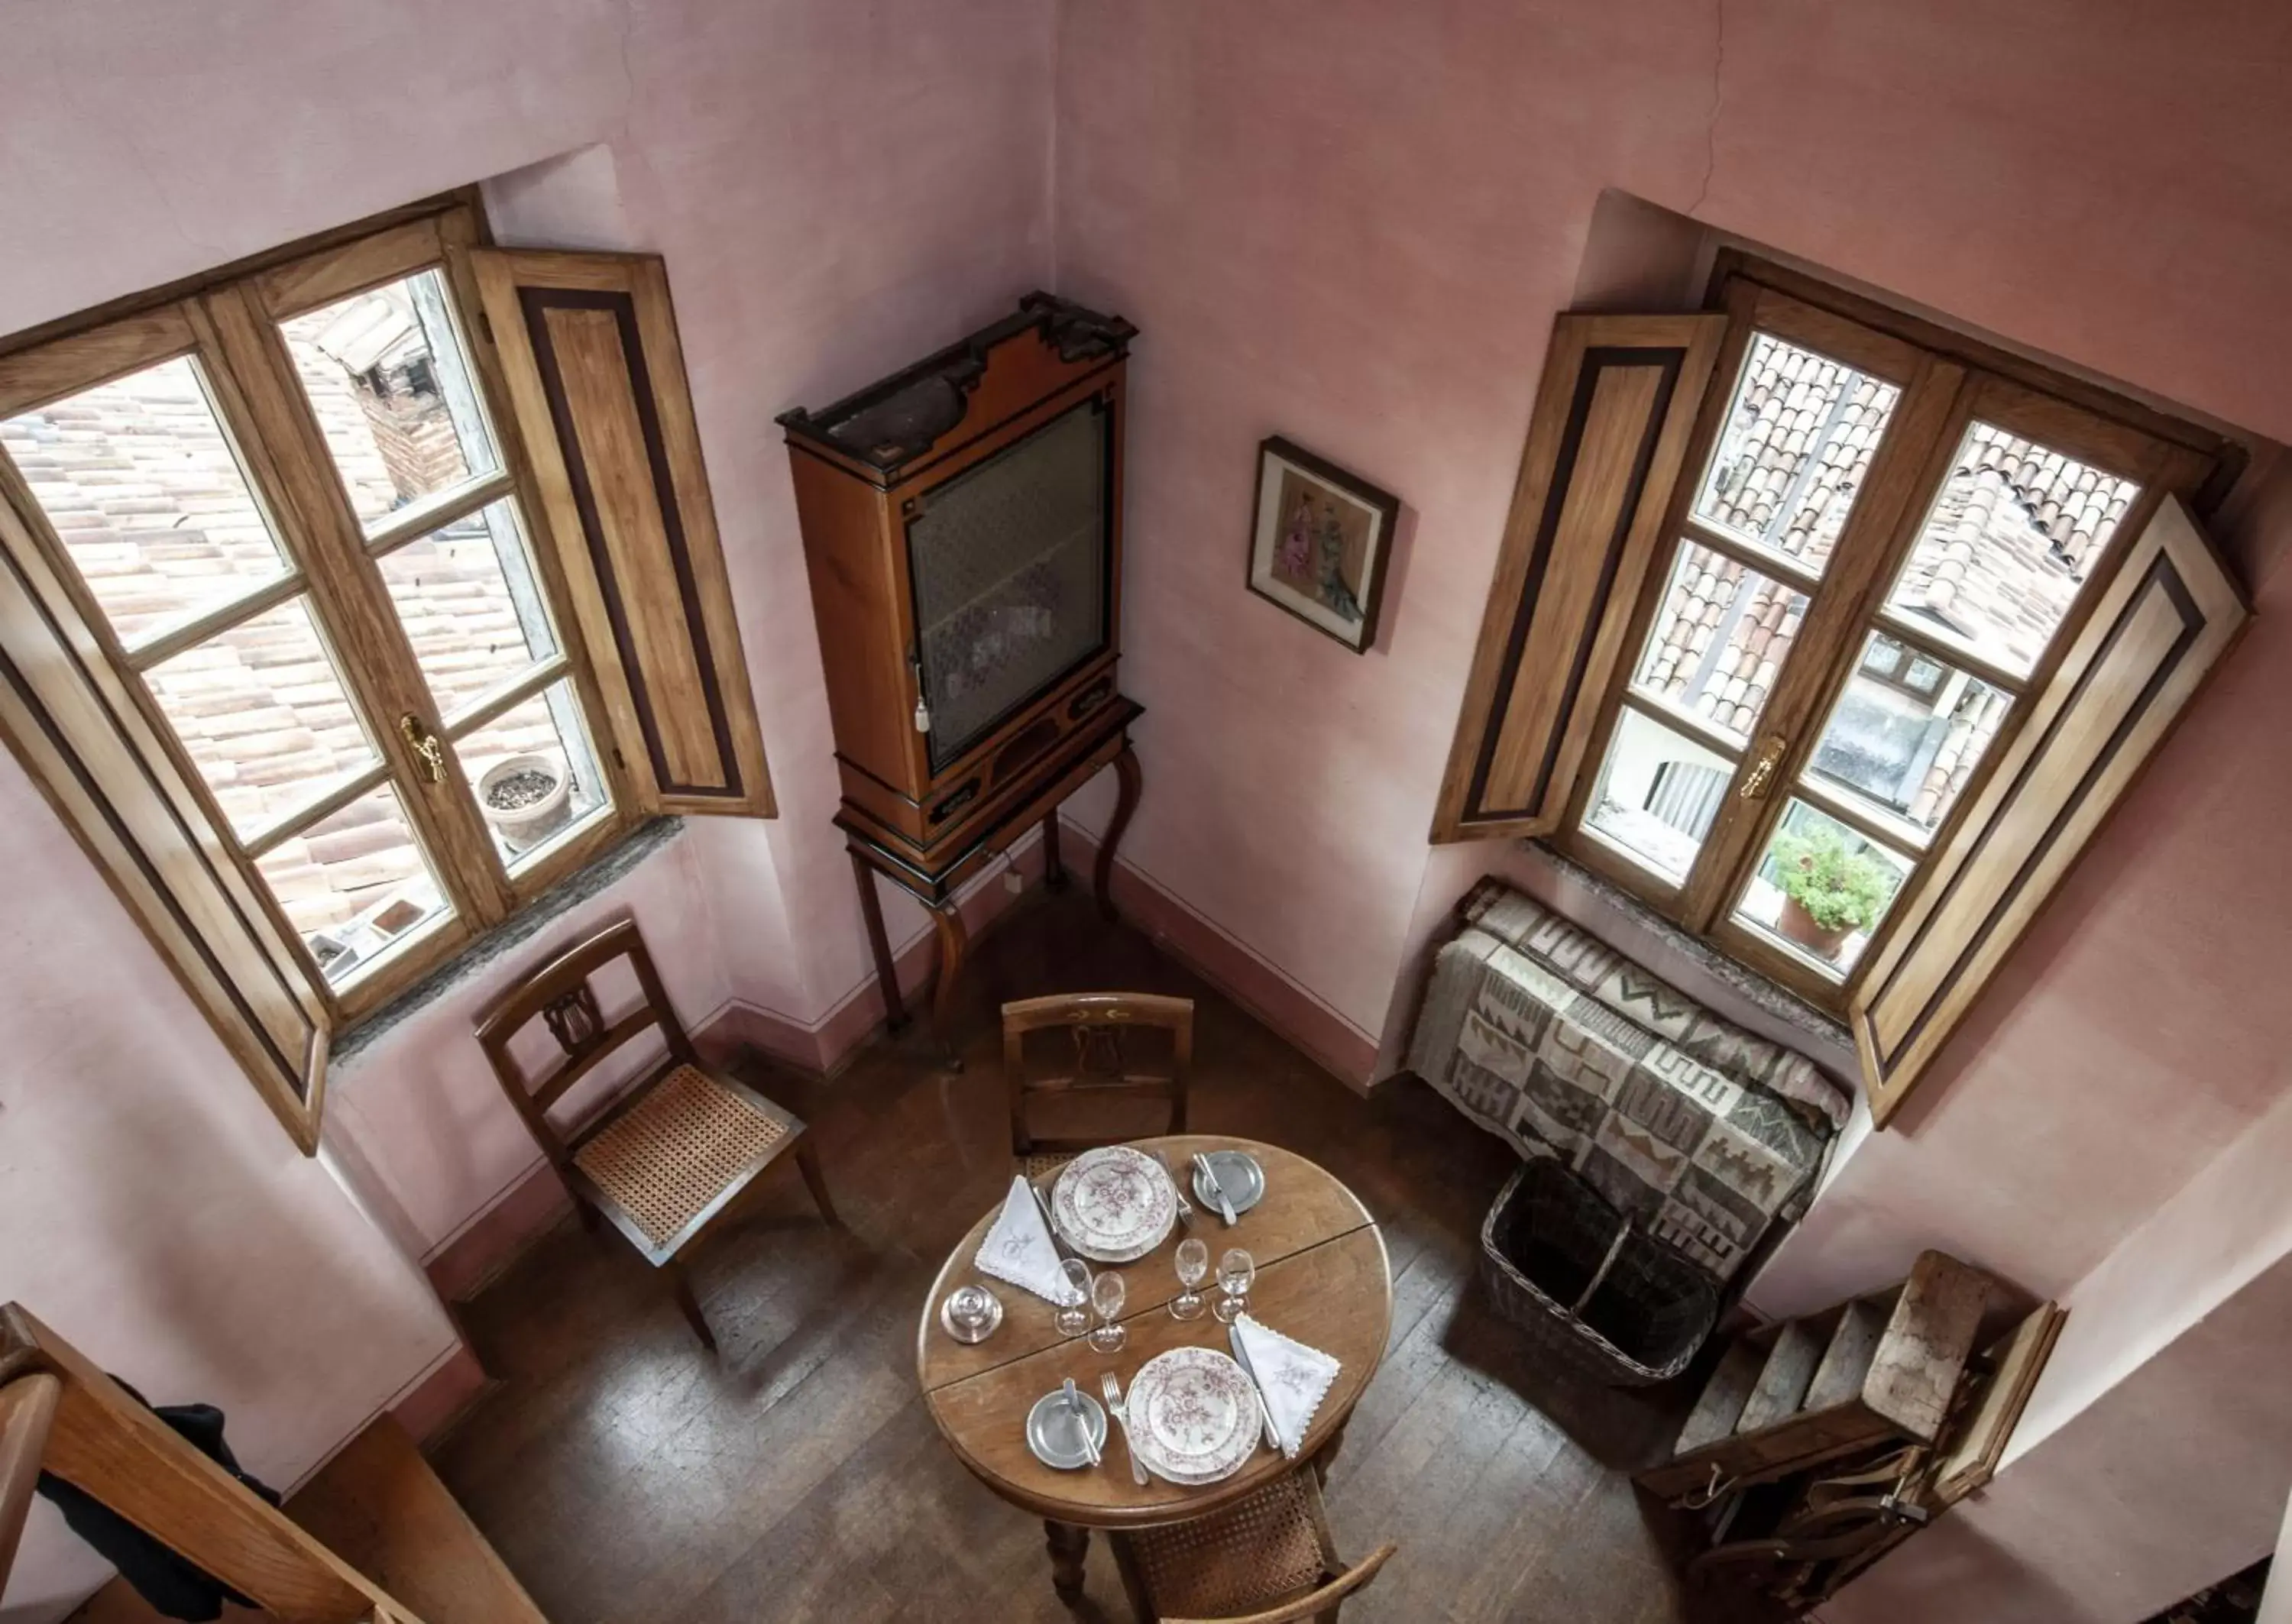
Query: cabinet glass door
(1008, 562)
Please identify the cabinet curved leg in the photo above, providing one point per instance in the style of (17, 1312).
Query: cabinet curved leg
(1069, 1546)
(953, 944)
(1125, 770)
(1054, 870)
(887, 973)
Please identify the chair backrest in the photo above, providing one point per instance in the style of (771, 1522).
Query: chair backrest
(1096, 1024)
(563, 995)
(1321, 1603)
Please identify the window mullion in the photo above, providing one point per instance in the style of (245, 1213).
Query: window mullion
(352, 606)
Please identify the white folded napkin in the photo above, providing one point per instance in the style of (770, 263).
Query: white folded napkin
(1293, 1377)
(1018, 1248)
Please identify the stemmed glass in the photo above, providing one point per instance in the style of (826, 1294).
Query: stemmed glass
(1106, 1293)
(1071, 1319)
(969, 1309)
(1236, 1271)
(1193, 1264)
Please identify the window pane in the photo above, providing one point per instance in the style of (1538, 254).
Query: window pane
(391, 390)
(143, 485)
(1657, 794)
(534, 775)
(2007, 544)
(1799, 438)
(356, 885)
(263, 714)
(471, 605)
(1821, 889)
(1908, 733)
(1718, 639)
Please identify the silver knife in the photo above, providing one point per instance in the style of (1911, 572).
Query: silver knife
(1217, 1190)
(1081, 1421)
(1265, 1410)
(1043, 1207)
(1185, 1206)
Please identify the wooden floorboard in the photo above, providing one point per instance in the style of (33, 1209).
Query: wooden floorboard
(627, 1476)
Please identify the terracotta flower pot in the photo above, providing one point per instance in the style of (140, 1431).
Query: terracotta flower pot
(1798, 925)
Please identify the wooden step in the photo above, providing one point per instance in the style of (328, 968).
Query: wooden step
(381, 1508)
(1853, 1345)
(1720, 1404)
(1823, 1388)
(1784, 1380)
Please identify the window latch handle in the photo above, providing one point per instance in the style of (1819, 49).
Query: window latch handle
(425, 746)
(1762, 776)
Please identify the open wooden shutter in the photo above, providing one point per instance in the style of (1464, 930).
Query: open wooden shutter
(2170, 613)
(1618, 399)
(104, 769)
(596, 378)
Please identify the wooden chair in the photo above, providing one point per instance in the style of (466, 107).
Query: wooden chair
(668, 1161)
(1268, 1560)
(1096, 1024)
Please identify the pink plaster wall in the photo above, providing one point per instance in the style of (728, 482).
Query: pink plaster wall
(1351, 224)
(837, 188)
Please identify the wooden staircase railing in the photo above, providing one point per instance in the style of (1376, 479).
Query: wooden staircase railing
(60, 1413)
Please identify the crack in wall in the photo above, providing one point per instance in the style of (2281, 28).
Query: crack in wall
(1718, 103)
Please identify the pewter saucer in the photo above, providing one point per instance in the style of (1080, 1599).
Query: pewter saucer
(987, 1327)
(1237, 1171)
(1054, 1431)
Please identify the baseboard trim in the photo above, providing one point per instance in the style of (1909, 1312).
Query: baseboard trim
(440, 1396)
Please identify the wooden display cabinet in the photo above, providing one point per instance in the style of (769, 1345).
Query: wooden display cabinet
(963, 533)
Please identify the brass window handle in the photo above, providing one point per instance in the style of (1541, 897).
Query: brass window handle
(425, 746)
(1762, 776)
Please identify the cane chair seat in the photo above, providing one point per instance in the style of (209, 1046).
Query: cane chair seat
(1040, 1162)
(1255, 1554)
(671, 1157)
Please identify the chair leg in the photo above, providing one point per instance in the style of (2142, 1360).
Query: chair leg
(688, 1303)
(807, 1162)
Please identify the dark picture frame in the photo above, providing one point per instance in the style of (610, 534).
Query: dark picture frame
(1319, 541)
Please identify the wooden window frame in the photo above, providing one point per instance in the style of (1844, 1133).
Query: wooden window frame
(229, 321)
(1947, 381)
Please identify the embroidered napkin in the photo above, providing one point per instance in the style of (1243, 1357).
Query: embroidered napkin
(1293, 1377)
(1018, 1248)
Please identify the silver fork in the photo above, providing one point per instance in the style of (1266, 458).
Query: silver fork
(1112, 1389)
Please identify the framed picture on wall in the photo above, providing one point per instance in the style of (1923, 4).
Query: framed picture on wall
(1318, 544)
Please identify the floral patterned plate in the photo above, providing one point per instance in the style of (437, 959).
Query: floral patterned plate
(1114, 1204)
(1193, 1416)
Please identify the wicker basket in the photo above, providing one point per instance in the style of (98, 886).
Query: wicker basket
(1599, 1297)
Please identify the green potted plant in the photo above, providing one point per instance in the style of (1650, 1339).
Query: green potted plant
(1829, 891)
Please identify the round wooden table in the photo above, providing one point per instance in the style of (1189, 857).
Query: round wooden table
(1323, 1277)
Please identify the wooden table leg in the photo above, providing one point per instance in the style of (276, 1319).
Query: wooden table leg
(954, 942)
(1069, 1546)
(1126, 770)
(1054, 871)
(887, 973)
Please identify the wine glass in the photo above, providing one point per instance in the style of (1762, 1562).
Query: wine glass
(1236, 1271)
(1193, 1264)
(1107, 1292)
(1072, 1319)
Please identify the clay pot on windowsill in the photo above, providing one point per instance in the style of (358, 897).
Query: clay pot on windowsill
(1798, 925)
(521, 810)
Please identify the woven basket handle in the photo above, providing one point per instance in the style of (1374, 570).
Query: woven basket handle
(1616, 1246)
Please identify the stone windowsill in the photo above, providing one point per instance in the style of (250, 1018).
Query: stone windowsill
(1770, 998)
(552, 904)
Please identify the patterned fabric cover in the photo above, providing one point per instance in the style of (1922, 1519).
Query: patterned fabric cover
(1701, 1133)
